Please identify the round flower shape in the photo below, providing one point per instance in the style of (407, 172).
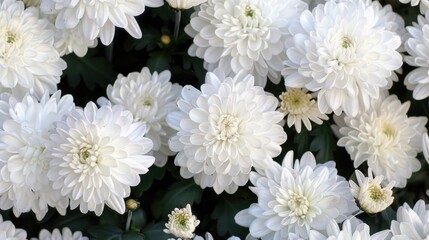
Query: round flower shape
(98, 18)
(28, 60)
(65, 234)
(386, 138)
(224, 130)
(370, 194)
(27, 125)
(97, 154)
(341, 51)
(149, 97)
(181, 223)
(352, 229)
(417, 47)
(295, 198)
(411, 223)
(9, 232)
(300, 107)
(236, 35)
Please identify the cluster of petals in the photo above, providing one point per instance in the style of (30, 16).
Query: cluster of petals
(9, 231)
(96, 155)
(98, 18)
(249, 35)
(411, 223)
(342, 51)
(386, 138)
(149, 97)
(295, 198)
(224, 130)
(64, 234)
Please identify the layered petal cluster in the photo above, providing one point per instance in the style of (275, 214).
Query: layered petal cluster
(344, 53)
(296, 197)
(24, 162)
(64, 234)
(352, 229)
(181, 223)
(236, 35)
(97, 154)
(8, 231)
(98, 18)
(28, 60)
(386, 138)
(224, 130)
(149, 97)
(417, 47)
(411, 223)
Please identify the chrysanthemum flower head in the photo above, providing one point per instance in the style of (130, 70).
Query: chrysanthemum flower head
(149, 97)
(237, 35)
(28, 60)
(64, 234)
(300, 107)
(411, 223)
(181, 223)
(24, 138)
(97, 154)
(386, 138)
(371, 195)
(98, 18)
(296, 197)
(341, 51)
(184, 4)
(8, 231)
(224, 130)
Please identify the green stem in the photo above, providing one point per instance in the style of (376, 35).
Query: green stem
(177, 24)
(128, 224)
(109, 52)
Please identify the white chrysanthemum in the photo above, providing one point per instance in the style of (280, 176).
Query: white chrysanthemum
(300, 107)
(9, 232)
(386, 138)
(352, 229)
(411, 223)
(236, 35)
(224, 130)
(27, 126)
(295, 198)
(181, 223)
(28, 59)
(65, 234)
(417, 47)
(342, 51)
(369, 192)
(98, 18)
(97, 154)
(184, 4)
(149, 97)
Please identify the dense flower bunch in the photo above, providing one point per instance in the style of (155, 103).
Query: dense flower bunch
(214, 119)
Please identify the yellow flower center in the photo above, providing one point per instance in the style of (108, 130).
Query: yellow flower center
(227, 128)
(295, 101)
(298, 204)
(88, 154)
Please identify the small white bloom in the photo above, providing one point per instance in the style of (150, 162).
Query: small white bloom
(26, 128)
(417, 47)
(98, 18)
(9, 232)
(28, 60)
(386, 138)
(65, 234)
(370, 194)
(341, 51)
(181, 222)
(149, 97)
(237, 35)
(295, 198)
(411, 223)
(224, 130)
(184, 4)
(97, 154)
(300, 106)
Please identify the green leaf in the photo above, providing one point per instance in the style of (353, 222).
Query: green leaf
(178, 195)
(147, 179)
(323, 143)
(224, 213)
(130, 235)
(159, 61)
(105, 232)
(301, 140)
(155, 231)
(149, 40)
(138, 220)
